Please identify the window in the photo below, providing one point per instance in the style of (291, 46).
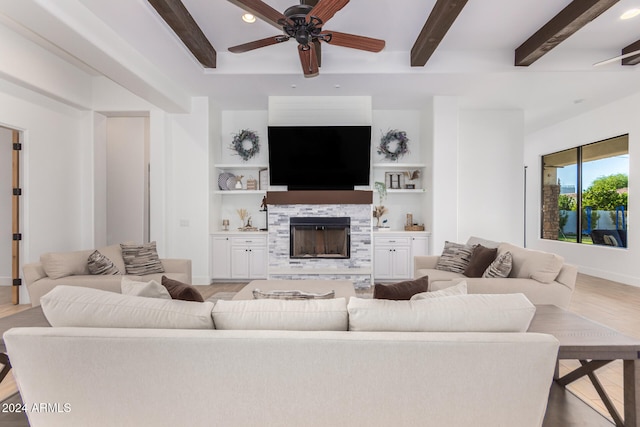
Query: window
(591, 180)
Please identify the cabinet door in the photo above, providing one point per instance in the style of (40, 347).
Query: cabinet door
(401, 256)
(220, 258)
(257, 262)
(239, 262)
(382, 263)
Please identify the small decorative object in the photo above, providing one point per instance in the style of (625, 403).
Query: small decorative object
(225, 224)
(394, 144)
(409, 219)
(379, 211)
(244, 216)
(394, 180)
(246, 144)
(264, 179)
(252, 183)
(238, 185)
(411, 176)
(224, 179)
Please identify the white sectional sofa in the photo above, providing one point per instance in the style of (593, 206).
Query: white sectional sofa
(70, 269)
(543, 277)
(361, 363)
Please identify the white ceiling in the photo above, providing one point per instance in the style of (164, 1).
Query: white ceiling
(473, 62)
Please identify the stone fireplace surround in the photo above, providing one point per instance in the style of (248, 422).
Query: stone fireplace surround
(356, 205)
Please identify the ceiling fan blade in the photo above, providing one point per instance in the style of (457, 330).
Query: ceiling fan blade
(246, 47)
(325, 9)
(617, 58)
(356, 42)
(318, 47)
(308, 60)
(263, 11)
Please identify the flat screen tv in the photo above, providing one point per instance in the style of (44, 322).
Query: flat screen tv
(319, 157)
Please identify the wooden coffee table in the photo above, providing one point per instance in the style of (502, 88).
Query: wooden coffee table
(594, 345)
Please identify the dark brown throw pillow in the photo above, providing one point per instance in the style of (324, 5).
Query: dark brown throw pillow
(481, 258)
(401, 290)
(183, 291)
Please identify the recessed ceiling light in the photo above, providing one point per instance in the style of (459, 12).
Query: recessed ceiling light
(337, 86)
(631, 13)
(248, 18)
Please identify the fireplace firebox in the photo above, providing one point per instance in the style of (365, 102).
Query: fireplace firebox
(320, 237)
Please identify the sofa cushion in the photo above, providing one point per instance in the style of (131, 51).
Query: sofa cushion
(61, 264)
(87, 307)
(458, 289)
(292, 294)
(473, 240)
(541, 266)
(457, 313)
(182, 291)
(150, 289)
(141, 259)
(481, 258)
(455, 257)
(401, 290)
(274, 314)
(500, 267)
(98, 264)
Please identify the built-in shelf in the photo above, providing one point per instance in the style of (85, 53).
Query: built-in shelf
(230, 166)
(399, 165)
(405, 190)
(237, 192)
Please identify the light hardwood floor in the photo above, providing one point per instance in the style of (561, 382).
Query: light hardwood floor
(610, 303)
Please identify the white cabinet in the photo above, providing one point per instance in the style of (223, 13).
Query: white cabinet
(393, 254)
(239, 256)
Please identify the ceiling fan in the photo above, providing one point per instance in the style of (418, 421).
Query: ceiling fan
(304, 23)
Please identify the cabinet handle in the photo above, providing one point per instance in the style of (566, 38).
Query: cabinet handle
(392, 241)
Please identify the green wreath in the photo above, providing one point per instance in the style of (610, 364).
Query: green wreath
(239, 146)
(401, 149)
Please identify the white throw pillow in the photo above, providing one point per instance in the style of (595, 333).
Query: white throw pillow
(94, 308)
(150, 289)
(458, 289)
(276, 314)
(457, 313)
(541, 266)
(62, 264)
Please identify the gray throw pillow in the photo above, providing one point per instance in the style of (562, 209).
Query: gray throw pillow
(500, 267)
(455, 257)
(99, 264)
(141, 259)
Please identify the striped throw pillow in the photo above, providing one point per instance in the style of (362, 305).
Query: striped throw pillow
(100, 264)
(455, 257)
(500, 267)
(141, 259)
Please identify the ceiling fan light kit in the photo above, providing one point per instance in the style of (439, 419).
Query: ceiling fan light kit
(304, 23)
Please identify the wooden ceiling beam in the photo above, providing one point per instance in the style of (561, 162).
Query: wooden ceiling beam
(442, 16)
(176, 15)
(576, 15)
(632, 60)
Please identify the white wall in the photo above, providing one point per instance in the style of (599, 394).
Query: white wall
(490, 175)
(5, 206)
(615, 119)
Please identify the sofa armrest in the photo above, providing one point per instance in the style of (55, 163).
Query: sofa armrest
(424, 262)
(33, 272)
(568, 275)
(174, 265)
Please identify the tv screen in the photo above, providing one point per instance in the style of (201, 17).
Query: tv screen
(319, 157)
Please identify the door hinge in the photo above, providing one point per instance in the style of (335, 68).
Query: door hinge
(17, 282)
(17, 191)
(17, 236)
(17, 146)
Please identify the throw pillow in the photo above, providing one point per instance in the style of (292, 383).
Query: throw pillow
(500, 267)
(63, 264)
(455, 257)
(141, 259)
(183, 291)
(401, 290)
(258, 294)
(481, 258)
(459, 289)
(99, 264)
(151, 289)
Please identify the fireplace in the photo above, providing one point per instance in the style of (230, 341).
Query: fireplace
(320, 237)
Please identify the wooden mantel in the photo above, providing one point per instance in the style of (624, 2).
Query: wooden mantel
(320, 197)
